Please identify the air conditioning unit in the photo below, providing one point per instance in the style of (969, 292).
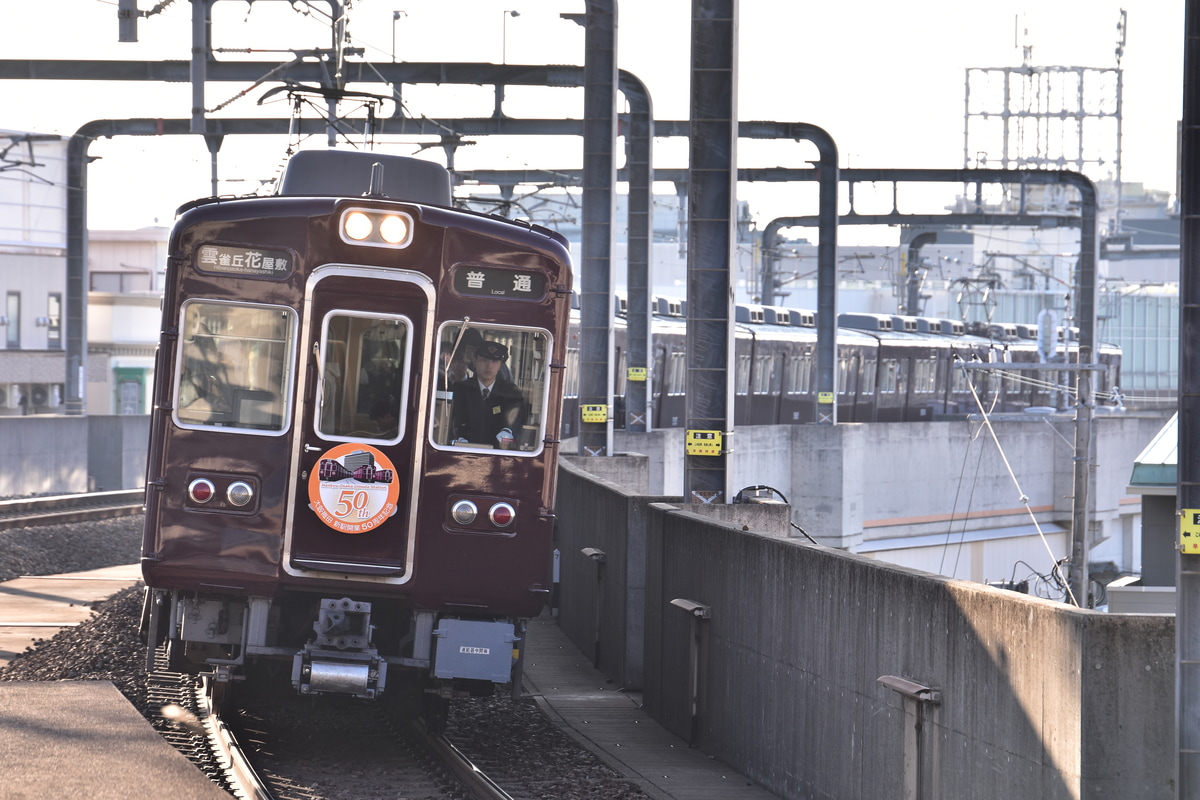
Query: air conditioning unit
(12, 395)
(45, 395)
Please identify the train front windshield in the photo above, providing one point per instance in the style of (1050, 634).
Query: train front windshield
(491, 388)
(234, 366)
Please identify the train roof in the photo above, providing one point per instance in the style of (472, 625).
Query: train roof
(781, 320)
(351, 173)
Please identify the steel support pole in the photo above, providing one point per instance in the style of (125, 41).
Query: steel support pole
(1187, 580)
(712, 242)
(639, 287)
(1085, 447)
(596, 279)
(75, 303)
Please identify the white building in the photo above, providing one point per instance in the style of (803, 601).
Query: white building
(33, 272)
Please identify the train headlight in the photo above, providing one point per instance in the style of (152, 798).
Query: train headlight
(357, 226)
(502, 515)
(393, 229)
(201, 490)
(464, 512)
(239, 493)
(375, 227)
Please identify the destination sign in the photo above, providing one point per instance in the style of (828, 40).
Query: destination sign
(255, 261)
(497, 282)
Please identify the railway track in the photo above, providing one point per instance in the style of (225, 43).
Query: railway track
(29, 511)
(295, 749)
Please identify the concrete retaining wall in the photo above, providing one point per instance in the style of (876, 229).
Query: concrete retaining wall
(1037, 699)
(43, 455)
(47, 454)
(863, 488)
(601, 600)
(117, 451)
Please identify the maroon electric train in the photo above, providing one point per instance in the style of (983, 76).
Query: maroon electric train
(308, 505)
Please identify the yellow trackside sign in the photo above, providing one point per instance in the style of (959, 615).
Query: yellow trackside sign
(1189, 531)
(703, 443)
(595, 413)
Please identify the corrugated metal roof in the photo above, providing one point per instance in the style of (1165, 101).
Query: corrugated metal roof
(1158, 463)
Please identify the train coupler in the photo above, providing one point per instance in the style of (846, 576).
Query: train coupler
(361, 675)
(341, 659)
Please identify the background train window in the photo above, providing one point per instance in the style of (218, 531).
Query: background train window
(365, 367)
(844, 372)
(571, 378)
(924, 377)
(766, 376)
(234, 366)
(619, 373)
(868, 377)
(742, 385)
(526, 366)
(799, 372)
(889, 376)
(677, 373)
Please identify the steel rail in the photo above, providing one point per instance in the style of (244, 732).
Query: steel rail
(245, 781)
(470, 776)
(86, 507)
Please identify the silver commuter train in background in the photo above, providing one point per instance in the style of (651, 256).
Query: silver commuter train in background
(891, 368)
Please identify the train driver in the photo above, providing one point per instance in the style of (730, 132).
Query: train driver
(488, 408)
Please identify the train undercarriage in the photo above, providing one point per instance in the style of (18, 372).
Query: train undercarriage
(333, 645)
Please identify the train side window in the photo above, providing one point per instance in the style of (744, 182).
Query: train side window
(888, 376)
(794, 379)
(742, 386)
(365, 368)
(844, 372)
(766, 378)
(868, 376)
(571, 380)
(517, 399)
(235, 364)
(677, 382)
(619, 377)
(924, 377)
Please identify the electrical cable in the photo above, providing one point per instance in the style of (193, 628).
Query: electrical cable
(1024, 498)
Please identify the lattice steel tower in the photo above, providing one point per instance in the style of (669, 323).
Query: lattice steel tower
(1030, 117)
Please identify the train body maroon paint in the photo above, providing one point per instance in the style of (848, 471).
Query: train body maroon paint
(306, 501)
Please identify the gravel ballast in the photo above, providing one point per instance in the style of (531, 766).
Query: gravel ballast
(511, 737)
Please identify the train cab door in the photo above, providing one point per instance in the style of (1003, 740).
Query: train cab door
(358, 450)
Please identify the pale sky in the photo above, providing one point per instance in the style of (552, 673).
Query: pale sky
(885, 78)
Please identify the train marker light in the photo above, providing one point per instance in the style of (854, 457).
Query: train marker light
(502, 515)
(393, 229)
(239, 493)
(357, 225)
(201, 490)
(464, 512)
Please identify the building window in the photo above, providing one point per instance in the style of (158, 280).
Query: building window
(12, 332)
(54, 324)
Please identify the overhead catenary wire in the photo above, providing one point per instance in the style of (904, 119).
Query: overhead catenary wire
(1024, 498)
(954, 508)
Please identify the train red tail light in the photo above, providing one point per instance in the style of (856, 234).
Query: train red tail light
(201, 490)
(502, 515)
(475, 514)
